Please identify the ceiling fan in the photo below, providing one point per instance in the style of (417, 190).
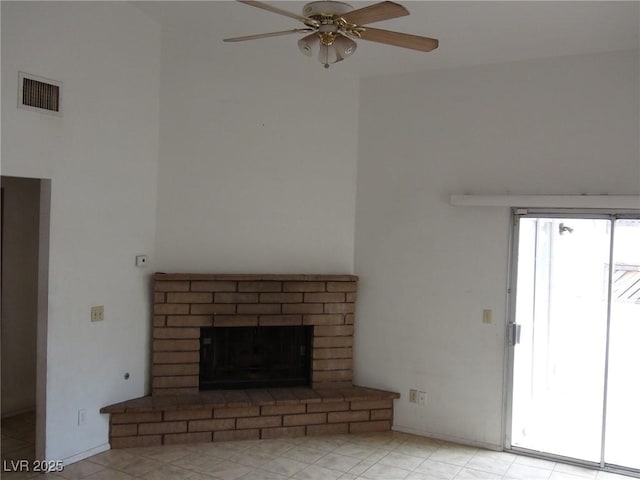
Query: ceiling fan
(332, 26)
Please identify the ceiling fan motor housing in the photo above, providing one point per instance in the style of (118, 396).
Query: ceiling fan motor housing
(326, 8)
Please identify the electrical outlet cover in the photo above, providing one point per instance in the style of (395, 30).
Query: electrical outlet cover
(82, 416)
(413, 396)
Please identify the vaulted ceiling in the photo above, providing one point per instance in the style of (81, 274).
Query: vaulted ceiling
(470, 32)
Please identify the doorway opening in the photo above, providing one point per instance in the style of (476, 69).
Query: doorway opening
(573, 359)
(24, 246)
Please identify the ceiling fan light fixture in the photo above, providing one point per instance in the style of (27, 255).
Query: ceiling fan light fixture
(309, 45)
(345, 46)
(340, 49)
(327, 54)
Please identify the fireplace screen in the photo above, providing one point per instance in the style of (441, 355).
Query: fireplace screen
(250, 357)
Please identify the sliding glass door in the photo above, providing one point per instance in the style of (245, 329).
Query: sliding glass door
(575, 322)
(622, 440)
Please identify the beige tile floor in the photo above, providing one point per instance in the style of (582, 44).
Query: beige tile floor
(380, 456)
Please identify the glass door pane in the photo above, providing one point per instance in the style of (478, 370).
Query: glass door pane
(622, 446)
(561, 305)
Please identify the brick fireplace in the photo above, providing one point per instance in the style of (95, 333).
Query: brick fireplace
(183, 303)
(178, 411)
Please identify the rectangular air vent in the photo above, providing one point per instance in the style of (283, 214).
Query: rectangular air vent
(39, 94)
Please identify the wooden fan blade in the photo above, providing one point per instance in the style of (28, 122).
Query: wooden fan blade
(267, 35)
(415, 42)
(271, 8)
(375, 13)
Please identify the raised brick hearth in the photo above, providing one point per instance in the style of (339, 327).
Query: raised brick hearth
(225, 415)
(178, 412)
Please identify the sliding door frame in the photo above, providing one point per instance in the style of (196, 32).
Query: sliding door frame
(512, 277)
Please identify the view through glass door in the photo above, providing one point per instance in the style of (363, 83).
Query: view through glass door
(622, 444)
(575, 391)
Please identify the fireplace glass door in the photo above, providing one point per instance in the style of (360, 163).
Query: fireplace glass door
(254, 357)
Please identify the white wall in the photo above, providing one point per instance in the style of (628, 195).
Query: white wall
(566, 125)
(257, 172)
(20, 218)
(102, 159)
(257, 163)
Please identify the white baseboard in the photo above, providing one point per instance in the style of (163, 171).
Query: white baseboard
(86, 454)
(448, 438)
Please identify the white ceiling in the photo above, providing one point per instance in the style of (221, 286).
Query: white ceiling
(470, 32)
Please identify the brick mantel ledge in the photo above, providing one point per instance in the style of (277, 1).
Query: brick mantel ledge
(236, 277)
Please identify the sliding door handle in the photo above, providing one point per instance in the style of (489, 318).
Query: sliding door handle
(514, 333)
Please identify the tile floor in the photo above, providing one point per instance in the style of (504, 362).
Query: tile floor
(380, 456)
(18, 436)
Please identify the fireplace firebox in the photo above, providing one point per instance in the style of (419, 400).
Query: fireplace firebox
(255, 357)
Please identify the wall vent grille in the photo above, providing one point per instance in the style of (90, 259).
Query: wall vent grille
(39, 94)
